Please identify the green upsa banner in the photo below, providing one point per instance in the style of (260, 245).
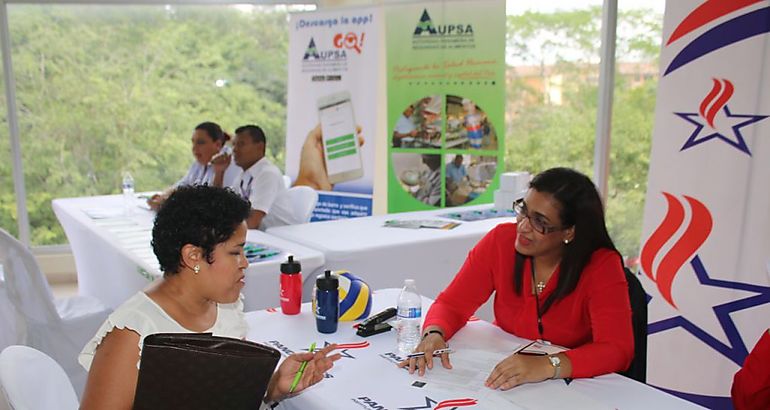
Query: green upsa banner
(446, 65)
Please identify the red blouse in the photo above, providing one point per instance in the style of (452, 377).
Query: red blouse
(751, 385)
(594, 321)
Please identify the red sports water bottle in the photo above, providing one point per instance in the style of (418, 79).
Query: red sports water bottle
(291, 286)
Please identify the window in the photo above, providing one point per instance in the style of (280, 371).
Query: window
(7, 194)
(552, 80)
(552, 85)
(636, 84)
(107, 89)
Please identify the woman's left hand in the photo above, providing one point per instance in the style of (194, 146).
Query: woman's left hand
(318, 363)
(518, 369)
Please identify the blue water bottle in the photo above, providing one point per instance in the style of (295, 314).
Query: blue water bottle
(326, 304)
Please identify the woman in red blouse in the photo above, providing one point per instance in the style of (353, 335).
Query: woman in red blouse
(556, 276)
(751, 385)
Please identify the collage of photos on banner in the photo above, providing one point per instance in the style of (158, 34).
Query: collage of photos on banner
(451, 133)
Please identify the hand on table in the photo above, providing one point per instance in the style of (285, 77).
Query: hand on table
(431, 343)
(312, 165)
(518, 369)
(318, 363)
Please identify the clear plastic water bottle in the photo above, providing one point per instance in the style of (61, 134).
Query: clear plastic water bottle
(409, 309)
(128, 193)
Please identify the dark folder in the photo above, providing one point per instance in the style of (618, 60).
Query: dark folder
(201, 371)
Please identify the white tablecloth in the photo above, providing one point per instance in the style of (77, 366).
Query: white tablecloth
(114, 258)
(385, 256)
(367, 377)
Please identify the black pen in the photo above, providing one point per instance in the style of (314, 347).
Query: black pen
(438, 352)
(521, 348)
(533, 353)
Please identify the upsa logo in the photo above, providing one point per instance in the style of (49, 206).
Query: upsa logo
(350, 41)
(450, 404)
(313, 54)
(426, 27)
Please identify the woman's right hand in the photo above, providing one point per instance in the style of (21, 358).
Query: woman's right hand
(429, 344)
(318, 363)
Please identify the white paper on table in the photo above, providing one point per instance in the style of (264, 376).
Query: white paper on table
(470, 369)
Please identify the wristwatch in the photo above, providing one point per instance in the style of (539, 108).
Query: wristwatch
(556, 363)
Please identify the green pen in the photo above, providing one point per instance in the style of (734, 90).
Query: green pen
(301, 371)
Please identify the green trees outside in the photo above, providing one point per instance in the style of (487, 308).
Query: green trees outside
(552, 103)
(103, 89)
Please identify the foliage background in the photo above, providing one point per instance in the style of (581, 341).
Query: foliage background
(106, 89)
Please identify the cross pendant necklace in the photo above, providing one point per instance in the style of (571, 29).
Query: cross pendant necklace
(539, 287)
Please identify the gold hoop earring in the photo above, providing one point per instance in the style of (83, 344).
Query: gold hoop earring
(197, 269)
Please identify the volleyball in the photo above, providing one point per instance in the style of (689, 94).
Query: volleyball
(355, 297)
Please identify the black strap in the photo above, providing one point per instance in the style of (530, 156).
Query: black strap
(440, 333)
(537, 301)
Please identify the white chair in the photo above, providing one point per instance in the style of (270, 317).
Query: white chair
(303, 200)
(33, 381)
(11, 333)
(59, 328)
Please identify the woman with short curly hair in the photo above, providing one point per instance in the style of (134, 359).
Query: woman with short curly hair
(198, 237)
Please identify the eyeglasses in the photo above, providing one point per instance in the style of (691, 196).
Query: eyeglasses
(536, 221)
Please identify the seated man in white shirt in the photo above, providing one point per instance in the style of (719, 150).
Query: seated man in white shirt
(261, 182)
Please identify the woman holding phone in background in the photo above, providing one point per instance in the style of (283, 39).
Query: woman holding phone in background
(208, 140)
(556, 276)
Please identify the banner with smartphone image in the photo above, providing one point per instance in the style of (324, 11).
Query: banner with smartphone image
(333, 67)
(445, 73)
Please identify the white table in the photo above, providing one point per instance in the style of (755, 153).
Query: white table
(114, 258)
(385, 256)
(366, 376)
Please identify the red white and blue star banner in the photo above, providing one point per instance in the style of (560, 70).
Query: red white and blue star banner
(706, 239)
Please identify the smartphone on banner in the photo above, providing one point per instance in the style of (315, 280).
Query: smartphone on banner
(340, 143)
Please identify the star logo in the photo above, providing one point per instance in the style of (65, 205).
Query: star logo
(725, 127)
(702, 326)
(451, 404)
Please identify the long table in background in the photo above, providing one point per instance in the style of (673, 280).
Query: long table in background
(114, 258)
(367, 377)
(385, 256)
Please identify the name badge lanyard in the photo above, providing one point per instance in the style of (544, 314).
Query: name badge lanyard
(246, 193)
(537, 302)
(200, 179)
